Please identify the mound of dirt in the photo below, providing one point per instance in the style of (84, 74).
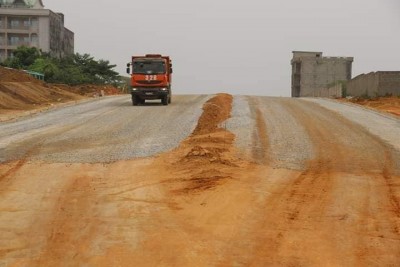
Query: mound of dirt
(385, 104)
(216, 111)
(19, 92)
(31, 95)
(209, 152)
(13, 75)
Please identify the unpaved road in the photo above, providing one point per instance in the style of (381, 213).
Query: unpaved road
(282, 182)
(101, 131)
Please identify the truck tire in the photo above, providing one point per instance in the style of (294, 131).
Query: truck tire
(169, 99)
(135, 101)
(164, 100)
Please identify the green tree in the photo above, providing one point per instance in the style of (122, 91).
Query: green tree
(100, 72)
(72, 69)
(45, 65)
(23, 57)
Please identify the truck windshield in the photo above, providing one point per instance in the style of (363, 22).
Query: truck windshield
(148, 67)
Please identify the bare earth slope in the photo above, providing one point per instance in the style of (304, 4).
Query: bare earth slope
(19, 91)
(259, 182)
(386, 104)
(21, 94)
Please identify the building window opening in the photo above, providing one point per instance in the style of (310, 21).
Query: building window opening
(27, 24)
(34, 23)
(2, 55)
(14, 40)
(34, 40)
(26, 41)
(14, 24)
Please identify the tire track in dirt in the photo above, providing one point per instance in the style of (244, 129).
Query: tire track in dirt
(260, 139)
(204, 177)
(76, 223)
(13, 169)
(388, 175)
(21, 162)
(200, 205)
(73, 226)
(276, 135)
(306, 206)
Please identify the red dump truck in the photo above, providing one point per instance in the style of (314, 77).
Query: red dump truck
(150, 78)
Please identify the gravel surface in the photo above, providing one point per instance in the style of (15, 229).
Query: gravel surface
(340, 205)
(288, 143)
(242, 124)
(383, 126)
(101, 131)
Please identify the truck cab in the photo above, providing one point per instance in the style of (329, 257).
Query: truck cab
(150, 78)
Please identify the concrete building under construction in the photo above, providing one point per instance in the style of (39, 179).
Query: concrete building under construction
(28, 23)
(311, 72)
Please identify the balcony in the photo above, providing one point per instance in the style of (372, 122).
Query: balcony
(21, 29)
(6, 5)
(17, 44)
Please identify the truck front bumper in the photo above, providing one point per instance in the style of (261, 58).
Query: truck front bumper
(149, 93)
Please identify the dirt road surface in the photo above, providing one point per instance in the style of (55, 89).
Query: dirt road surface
(247, 181)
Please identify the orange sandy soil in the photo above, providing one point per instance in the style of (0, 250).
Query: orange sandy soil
(386, 104)
(21, 94)
(202, 205)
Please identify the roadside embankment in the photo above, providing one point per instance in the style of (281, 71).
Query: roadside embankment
(22, 95)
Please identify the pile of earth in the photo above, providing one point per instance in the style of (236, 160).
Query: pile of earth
(13, 75)
(386, 104)
(20, 92)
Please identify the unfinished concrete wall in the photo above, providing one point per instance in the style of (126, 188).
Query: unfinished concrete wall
(389, 83)
(334, 91)
(363, 85)
(373, 84)
(312, 72)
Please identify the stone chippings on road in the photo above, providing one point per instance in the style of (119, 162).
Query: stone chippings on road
(289, 145)
(102, 131)
(199, 199)
(242, 124)
(386, 128)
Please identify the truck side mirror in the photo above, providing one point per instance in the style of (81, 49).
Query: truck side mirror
(128, 70)
(171, 70)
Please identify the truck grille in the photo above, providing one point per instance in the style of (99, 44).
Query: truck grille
(148, 82)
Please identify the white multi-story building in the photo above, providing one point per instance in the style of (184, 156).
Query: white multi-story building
(28, 23)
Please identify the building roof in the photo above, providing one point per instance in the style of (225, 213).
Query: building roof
(22, 3)
(38, 3)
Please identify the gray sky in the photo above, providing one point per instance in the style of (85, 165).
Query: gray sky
(238, 47)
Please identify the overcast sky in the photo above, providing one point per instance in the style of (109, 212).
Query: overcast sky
(238, 47)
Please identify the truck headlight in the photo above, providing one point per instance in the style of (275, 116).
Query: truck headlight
(164, 89)
(134, 89)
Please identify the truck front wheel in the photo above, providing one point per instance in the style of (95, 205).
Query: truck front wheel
(135, 100)
(164, 100)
